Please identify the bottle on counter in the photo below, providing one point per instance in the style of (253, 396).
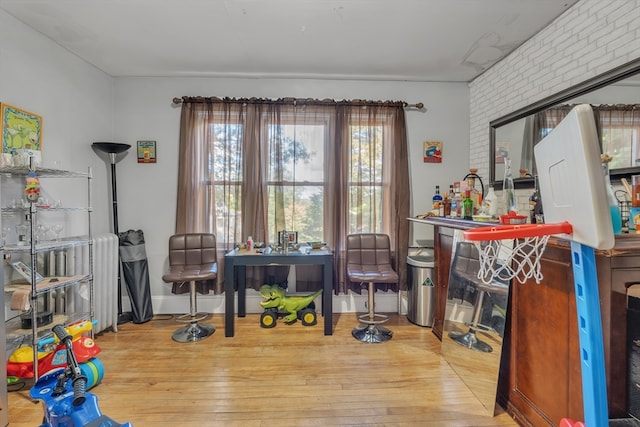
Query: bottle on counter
(614, 208)
(476, 195)
(456, 200)
(437, 199)
(446, 205)
(250, 244)
(467, 205)
(535, 202)
(508, 188)
(490, 203)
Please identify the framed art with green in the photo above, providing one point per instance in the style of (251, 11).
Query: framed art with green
(21, 130)
(146, 151)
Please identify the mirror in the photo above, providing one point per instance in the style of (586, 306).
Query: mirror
(474, 323)
(618, 86)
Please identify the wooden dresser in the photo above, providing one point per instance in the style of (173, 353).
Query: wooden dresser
(540, 379)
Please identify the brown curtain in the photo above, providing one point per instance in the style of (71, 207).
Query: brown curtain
(266, 168)
(619, 132)
(618, 127)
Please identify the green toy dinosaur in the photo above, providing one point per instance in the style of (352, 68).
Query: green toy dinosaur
(277, 297)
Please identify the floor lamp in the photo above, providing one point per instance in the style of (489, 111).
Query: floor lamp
(113, 149)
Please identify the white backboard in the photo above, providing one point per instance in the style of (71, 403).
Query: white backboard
(572, 184)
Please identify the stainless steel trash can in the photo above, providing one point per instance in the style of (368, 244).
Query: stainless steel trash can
(420, 303)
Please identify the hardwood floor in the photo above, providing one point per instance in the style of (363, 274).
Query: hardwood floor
(290, 375)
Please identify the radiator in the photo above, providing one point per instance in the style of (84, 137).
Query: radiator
(105, 281)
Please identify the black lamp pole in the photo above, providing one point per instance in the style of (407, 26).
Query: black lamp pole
(113, 149)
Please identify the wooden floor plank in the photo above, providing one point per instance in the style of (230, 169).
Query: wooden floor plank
(290, 375)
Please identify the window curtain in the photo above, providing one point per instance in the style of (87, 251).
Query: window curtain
(619, 133)
(248, 175)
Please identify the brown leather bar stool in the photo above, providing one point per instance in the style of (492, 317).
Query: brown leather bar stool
(192, 257)
(369, 261)
(465, 272)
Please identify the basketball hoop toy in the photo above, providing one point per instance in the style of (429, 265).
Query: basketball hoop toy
(513, 251)
(570, 150)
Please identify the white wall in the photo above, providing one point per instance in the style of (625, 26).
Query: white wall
(80, 105)
(143, 111)
(589, 39)
(74, 99)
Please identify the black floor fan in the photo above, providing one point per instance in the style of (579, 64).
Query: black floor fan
(113, 149)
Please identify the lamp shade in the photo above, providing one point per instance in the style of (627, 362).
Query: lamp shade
(111, 147)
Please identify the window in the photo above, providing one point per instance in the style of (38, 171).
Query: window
(296, 184)
(226, 171)
(322, 168)
(365, 178)
(620, 135)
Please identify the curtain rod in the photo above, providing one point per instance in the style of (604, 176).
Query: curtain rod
(202, 99)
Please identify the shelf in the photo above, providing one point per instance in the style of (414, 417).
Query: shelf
(70, 298)
(43, 172)
(50, 245)
(9, 211)
(48, 284)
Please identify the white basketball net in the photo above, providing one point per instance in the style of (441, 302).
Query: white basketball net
(511, 258)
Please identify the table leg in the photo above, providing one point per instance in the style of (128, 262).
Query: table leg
(327, 297)
(242, 291)
(228, 297)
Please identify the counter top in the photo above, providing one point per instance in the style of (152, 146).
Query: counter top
(624, 242)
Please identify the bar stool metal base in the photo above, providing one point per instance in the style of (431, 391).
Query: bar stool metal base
(470, 340)
(193, 332)
(371, 333)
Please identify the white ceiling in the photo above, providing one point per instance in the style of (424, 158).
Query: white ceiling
(418, 40)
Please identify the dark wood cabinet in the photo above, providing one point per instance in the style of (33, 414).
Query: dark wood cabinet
(540, 377)
(442, 249)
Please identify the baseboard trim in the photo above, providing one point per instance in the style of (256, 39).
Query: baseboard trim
(386, 302)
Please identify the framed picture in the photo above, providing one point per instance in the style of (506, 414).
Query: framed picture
(502, 151)
(146, 151)
(292, 237)
(21, 130)
(432, 152)
(25, 271)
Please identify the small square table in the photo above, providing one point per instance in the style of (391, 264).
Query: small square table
(236, 261)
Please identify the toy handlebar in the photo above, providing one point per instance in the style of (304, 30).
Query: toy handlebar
(75, 331)
(78, 380)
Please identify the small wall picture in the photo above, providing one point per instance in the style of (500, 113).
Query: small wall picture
(21, 130)
(146, 151)
(25, 271)
(432, 152)
(502, 151)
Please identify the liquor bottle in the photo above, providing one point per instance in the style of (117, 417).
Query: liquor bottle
(535, 202)
(490, 203)
(452, 203)
(446, 205)
(475, 195)
(614, 208)
(508, 188)
(456, 201)
(437, 199)
(467, 205)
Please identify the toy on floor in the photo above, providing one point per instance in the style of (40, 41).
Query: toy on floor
(291, 307)
(20, 363)
(63, 393)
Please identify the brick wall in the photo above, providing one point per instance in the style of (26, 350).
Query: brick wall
(589, 39)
